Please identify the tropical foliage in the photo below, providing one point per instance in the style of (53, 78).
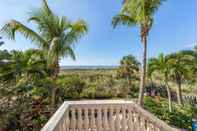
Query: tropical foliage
(56, 35)
(160, 67)
(180, 117)
(129, 68)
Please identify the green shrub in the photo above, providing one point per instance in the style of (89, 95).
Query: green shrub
(71, 86)
(180, 117)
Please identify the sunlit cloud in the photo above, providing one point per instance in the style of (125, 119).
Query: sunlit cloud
(191, 45)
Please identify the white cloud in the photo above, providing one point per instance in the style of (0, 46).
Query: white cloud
(191, 45)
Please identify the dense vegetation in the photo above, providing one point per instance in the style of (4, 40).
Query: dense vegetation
(26, 89)
(33, 86)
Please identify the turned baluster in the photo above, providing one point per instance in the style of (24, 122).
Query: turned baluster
(117, 120)
(80, 121)
(64, 124)
(142, 124)
(135, 121)
(99, 119)
(93, 123)
(111, 119)
(150, 127)
(130, 119)
(67, 121)
(105, 119)
(124, 120)
(73, 120)
(86, 119)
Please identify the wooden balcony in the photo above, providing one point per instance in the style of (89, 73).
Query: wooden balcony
(107, 115)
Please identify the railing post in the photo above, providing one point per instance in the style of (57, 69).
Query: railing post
(124, 120)
(73, 120)
(79, 123)
(105, 119)
(99, 119)
(86, 119)
(117, 120)
(111, 118)
(93, 123)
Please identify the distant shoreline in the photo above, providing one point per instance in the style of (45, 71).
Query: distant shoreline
(88, 67)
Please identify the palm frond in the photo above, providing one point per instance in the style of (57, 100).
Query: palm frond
(77, 30)
(46, 7)
(137, 12)
(14, 26)
(69, 52)
(48, 25)
(122, 19)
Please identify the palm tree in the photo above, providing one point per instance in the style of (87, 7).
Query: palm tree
(160, 66)
(139, 13)
(22, 66)
(129, 68)
(55, 35)
(180, 64)
(1, 42)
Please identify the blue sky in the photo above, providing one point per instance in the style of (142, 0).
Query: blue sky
(175, 28)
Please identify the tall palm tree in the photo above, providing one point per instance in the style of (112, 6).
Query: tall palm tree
(129, 68)
(139, 13)
(181, 64)
(160, 66)
(55, 35)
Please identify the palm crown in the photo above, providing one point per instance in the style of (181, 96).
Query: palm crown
(55, 34)
(137, 12)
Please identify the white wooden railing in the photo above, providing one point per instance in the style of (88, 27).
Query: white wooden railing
(110, 115)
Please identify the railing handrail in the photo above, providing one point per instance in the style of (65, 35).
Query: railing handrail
(51, 125)
(60, 113)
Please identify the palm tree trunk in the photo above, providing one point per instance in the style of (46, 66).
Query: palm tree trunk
(54, 89)
(179, 93)
(53, 97)
(143, 73)
(129, 81)
(169, 96)
(169, 99)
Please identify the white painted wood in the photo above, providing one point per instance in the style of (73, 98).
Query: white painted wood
(107, 115)
(105, 119)
(57, 117)
(86, 119)
(73, 120)
(124, 120)
(111, 118)
(130, 120)
(99, 119)
(93, 122)
(117, 120)
(80, 121)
